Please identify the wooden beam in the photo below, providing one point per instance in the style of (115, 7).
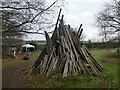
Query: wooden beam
(80, 33)
(79, 29)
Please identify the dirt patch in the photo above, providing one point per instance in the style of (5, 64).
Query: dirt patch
(13, 69)
(11, 58)
(111, 58)
(114, 56)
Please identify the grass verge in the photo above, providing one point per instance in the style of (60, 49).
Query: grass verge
(106, 79)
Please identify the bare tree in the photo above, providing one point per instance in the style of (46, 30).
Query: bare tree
(7, 36)
(21, 18)
(32, 15)
(10, 38)
(109, 20)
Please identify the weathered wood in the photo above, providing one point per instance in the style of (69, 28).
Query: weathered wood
(80, 33)
(58, 20)
(65, 68)
(50, 67)
(55, 63)
(49, 60)
(44, 63)
(72, 44)
(88, 61)
(98, 65)
(65, 54)
(49, 44)
(85, 57)
(38, 61)
(79, 30)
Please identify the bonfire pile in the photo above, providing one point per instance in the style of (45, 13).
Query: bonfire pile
(64, 54)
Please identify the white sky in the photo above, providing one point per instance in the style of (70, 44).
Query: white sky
(78, 12)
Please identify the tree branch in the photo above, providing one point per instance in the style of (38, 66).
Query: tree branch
(34, 16)
(15, 7)
(43, 10)
(30, 32)
(21, 8)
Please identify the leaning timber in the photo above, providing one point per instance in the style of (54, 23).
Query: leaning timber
(64, 54)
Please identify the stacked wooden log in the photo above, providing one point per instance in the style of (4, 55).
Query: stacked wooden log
(65, 54)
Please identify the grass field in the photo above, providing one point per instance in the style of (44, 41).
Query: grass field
(106, 79)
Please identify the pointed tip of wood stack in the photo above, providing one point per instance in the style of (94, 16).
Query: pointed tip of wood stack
(66, 55)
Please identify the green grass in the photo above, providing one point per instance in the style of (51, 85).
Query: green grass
(106, 79)
(107, 58)
(38, 42)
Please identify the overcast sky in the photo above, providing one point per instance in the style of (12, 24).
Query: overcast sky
(78, 12)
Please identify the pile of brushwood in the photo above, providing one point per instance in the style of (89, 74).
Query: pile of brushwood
(64, 54)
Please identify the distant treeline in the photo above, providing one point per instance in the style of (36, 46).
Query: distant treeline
(101, 45)
(40, 45)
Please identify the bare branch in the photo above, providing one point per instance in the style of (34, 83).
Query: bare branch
(14, 7)
(34, 16)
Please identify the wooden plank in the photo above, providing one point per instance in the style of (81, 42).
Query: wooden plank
(58, 20)
(72, 58)
(88, 61)
(72, 44)
(95, 62)
(49, 45)
(79, 30)
(80, 33)
(55, 33)
(79, 44)
(62, 55)
(63, 52)
(50, 67)
(79, 68)
(55, 63)
(38, 61)
(44, 63)
(41, 67)
(49, 60)
(65, 69)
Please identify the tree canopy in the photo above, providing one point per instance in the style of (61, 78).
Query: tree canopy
(32, 14)
(108, 20)
(26, 17)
